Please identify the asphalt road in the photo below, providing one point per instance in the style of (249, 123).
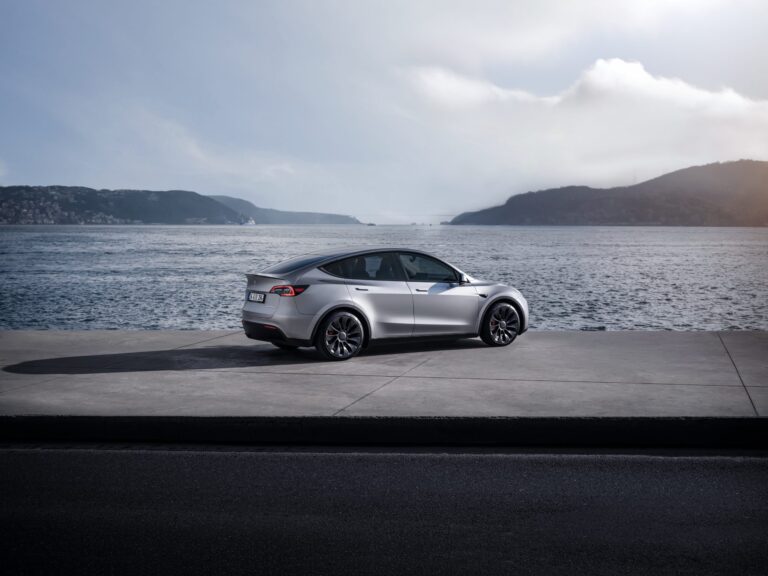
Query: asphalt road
(135, 511)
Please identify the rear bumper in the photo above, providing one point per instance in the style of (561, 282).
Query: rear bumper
(270, 333)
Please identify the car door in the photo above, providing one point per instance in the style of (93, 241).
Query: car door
(376, 283)
(441, 304)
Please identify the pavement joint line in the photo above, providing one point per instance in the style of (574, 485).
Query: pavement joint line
(405, 374)
(28, 384)
(754, 407)
(364, 396)
(559, 381)
(281, 373)
(340, 410)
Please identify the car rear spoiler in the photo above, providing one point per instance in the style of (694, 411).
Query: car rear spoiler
(263, 281)
(262, 275)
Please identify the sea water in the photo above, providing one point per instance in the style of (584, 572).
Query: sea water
(575, 278)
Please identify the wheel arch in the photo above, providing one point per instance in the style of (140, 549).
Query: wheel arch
(345, 308)
(504, 298)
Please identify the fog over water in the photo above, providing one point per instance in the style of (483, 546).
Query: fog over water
(575, 278)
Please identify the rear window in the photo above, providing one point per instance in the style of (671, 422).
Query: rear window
(288, 266)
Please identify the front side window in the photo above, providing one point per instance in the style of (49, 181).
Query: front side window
(378, 266)
(419, 268)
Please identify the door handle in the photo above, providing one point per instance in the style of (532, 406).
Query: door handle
(361, 289)
(421, 290)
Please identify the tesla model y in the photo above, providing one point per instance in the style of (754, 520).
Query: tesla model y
(341, 300)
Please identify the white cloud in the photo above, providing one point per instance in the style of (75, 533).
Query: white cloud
(613, 76)
(631, 80)
(451, 89)
(615, 124)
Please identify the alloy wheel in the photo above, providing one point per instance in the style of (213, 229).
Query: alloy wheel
(504, 324)
(343, 336)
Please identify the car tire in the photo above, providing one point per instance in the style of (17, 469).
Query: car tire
(284, 346)
(501, 325)
(340, 336)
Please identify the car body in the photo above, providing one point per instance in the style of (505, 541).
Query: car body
(378, 293)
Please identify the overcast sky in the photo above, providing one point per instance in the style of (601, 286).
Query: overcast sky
(393, 111)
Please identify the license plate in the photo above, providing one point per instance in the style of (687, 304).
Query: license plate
(256, 296)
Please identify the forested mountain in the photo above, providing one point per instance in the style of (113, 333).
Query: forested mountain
(80, 205)
(721, 194)
(270, 216)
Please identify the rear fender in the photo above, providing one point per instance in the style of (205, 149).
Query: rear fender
(351, 307)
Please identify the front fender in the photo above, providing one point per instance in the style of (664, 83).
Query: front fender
(517, 300)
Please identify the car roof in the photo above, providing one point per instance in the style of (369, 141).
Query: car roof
(320, 257)
(332, 253)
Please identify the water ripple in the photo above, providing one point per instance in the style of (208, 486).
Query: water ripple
(581, 278)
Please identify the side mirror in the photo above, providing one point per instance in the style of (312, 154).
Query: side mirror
(463, 279)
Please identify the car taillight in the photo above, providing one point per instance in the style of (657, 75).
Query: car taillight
(288, 290)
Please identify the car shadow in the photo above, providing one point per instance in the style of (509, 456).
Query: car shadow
(212, 357)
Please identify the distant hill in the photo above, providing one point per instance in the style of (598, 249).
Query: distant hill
(721, 194)
(79, 205)
(270, 216)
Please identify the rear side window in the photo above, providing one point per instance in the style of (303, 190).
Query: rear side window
(378, 266)
(288, 266)
(419, 268)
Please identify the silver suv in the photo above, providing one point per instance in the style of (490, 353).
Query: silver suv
(340, 300)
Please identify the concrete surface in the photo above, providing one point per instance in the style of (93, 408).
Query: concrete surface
(222, 373)
(189, 511)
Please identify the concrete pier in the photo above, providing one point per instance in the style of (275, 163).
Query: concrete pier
(543, 374)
